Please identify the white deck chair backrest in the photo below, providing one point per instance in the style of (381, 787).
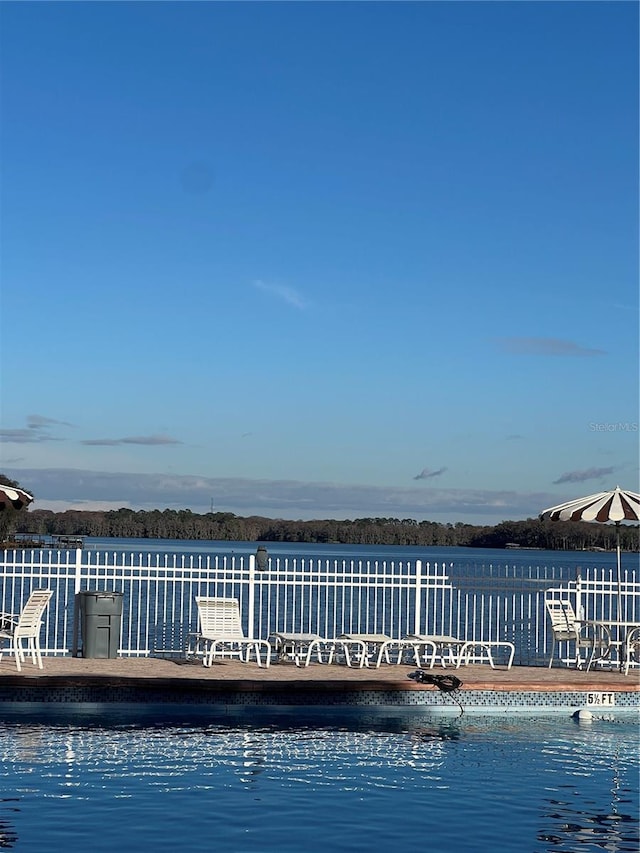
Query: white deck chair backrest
(219, 617)
(30, 619)
(26, 627)
(564, 623)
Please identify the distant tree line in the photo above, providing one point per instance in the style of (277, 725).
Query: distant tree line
(225, 526)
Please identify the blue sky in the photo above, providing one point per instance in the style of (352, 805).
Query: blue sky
(320, 259)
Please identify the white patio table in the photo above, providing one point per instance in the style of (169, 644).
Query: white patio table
(622, 630)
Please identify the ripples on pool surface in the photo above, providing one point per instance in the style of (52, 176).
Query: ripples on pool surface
(471, 784)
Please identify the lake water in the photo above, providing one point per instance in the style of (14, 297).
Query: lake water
(567, 561)
(81, 781)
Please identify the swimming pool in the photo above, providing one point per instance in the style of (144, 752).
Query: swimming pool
(92, 781)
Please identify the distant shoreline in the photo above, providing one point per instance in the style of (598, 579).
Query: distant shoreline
(35, 541)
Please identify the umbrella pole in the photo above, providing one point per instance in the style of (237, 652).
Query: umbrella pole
(619, 578)
(622, 650)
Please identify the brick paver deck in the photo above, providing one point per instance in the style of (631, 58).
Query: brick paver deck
(63, 671)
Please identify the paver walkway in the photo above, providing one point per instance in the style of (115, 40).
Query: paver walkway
(131, 671)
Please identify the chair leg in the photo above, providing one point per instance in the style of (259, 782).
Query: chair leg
(37, 654)
(357, 648)
(553, 648)
(630, 649)
(17, 650)
(207, 656)
(256, 645)
(382, 653)
(330, 652)
(512, 654)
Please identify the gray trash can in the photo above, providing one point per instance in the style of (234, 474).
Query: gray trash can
(101, 618)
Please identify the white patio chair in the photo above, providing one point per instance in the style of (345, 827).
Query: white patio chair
(567, 628)
(220, 630)
(26, 626)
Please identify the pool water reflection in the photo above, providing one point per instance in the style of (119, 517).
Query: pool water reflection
(92, 782)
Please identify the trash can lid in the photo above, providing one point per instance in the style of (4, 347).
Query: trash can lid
(100, 593)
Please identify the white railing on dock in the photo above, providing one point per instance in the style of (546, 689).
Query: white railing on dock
(321, 596)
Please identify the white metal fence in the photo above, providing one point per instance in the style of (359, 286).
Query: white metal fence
(322, 596)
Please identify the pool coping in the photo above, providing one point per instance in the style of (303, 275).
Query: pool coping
(231, 684)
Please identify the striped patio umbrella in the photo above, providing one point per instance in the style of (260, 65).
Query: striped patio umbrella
(606, 507)
(13, 497)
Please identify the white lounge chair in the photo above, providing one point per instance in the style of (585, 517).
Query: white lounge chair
(375, 649)
(26, 626)
(457, 651)
(298, 648)
(220, 631)
(360, 650)
(441, 646)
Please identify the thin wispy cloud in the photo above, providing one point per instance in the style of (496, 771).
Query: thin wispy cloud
(581, 476)
(283, 293)
(428, 473)
(25, 436)
(38, 429)
(149, 440)
(547, 346)
(41, 422)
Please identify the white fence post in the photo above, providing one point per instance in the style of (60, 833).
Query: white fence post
(78, 570)
(251, 603)
(418, 602)
(579, 604)
(77, 582)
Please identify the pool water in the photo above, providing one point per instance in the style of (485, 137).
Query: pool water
(91, 781)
